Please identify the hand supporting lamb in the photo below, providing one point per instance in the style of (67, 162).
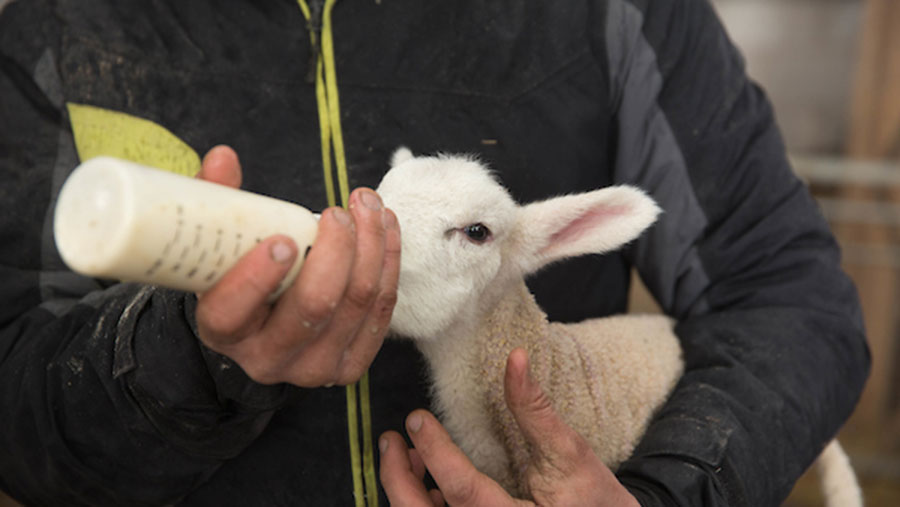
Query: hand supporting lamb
(563, 471)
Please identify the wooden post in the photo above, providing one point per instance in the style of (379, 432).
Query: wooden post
(875, 111)
(874, 134)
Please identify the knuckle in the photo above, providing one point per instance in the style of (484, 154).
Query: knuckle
(575, 448)
(540, 403)
(362, 294)
(313, 311)
(217, 321)
(461, 490)
(385, 304)
(261, 283)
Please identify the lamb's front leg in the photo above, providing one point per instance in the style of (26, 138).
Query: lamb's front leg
(461, 401)
(478, 439)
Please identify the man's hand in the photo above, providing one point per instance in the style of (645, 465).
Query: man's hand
(327, 327)
(564, 470)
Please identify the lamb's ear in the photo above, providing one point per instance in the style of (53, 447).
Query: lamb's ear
(573, 225)
(401, 155)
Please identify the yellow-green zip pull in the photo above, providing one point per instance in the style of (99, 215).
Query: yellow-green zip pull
(314, 25)
(365, 486)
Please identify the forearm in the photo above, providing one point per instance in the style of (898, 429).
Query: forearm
(771, 327)
(750, 415)
(123, 402)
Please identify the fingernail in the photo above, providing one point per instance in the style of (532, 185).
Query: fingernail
(414, 423)
(371, 200)
(341, 215)
(389, 220)
(280, 252)
(383, 444)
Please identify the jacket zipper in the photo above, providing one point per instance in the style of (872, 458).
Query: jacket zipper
(322, 71)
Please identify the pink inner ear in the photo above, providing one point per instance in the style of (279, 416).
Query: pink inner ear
(585, 223)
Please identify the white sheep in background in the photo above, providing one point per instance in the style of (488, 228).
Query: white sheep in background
(467, 247)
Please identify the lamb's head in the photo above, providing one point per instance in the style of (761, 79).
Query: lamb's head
(465, 240)
(453, 217)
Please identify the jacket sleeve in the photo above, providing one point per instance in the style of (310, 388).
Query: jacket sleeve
(106, 396)
(771, 327)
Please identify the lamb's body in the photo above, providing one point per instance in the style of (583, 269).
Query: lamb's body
(605, 376)
(467, 247)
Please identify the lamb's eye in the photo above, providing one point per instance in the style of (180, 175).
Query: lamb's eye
(478, 233)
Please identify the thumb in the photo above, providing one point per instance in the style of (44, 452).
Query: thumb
(529, 404)
(564, 469)
(221, 165)
(552, 441)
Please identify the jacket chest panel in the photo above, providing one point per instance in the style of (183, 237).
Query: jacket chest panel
(536, 108)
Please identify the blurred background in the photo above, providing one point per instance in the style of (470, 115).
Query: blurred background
(832, 70)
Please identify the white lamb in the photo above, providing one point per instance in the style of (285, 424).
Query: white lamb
(462, 297)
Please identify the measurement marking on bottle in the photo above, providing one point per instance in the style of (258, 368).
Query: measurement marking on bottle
(179, 223)
(237, 244)
(156, 265)
(198, 234)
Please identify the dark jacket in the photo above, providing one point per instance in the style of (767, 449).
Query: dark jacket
(106, 396)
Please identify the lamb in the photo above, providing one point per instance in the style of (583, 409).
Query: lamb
(463, 299)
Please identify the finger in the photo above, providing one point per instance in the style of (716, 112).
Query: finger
(370, 336)
(437, 498)
(402, 482)
(308, 306)
(331, 348)
(418, 466)
(460, 483)
(238, 302)
(364, 286)
(551, 438)
(564, 469)
(221, 165)
(367, 211)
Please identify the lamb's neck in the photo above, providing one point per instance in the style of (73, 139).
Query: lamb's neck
(462, 359)
(512, 317)
(452, 352)
(468, 365)
(516, 321)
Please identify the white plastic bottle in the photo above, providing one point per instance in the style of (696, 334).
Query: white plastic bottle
(120, 220)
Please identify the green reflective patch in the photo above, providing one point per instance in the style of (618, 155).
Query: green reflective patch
(101, 131)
